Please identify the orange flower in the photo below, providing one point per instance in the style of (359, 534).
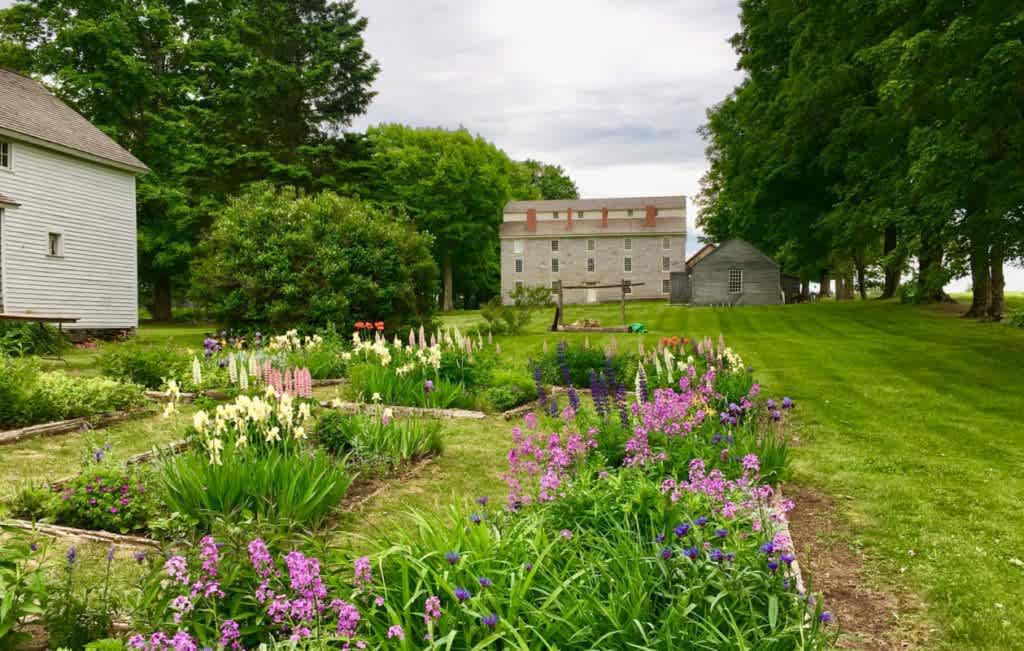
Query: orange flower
(379, 325)
(359, 325)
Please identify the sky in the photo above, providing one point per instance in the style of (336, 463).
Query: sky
(612, 90)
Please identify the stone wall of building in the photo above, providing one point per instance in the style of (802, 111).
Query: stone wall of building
(647, 262)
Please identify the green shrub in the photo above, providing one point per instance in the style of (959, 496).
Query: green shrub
(580, 360)
(511, 319)
(275, 259)
(1017, 318)
(106, 498)
(20, 339)
(367, 380)
(32, 503)
(298, 488)
(508, 389)
(17, 380)
(74, 617)
(23, 589)
(372, 439)
(143, 364)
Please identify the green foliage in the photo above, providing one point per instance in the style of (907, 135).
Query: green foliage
(511, 319)
(144, 364)
(373, 439)
(108, 498)
(274, 258)
(1017, 318)
(23, 589)
(291, 489)
(74, 617)
(536, 180)
(23, 339)
(28, 396)
(580, 361)
(32, 503)
(367, 380)
(509, 389)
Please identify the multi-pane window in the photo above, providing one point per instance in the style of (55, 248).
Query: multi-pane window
(591, 245)
(517, 246)
(5, 155)
(666, 263)
(629, 212)
(591, 265)
(735, 281)
(519, 265)
(55, 246)
(555, 214)
(554, 245)
(629, 287)
(554, 265)
(666, 286)
(666, 243)
(556, 285)
(627, 244)
(627, 264)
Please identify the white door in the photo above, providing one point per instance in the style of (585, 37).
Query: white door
(591, 295)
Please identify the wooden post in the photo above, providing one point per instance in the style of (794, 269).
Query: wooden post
(622, 303)
(561, 314)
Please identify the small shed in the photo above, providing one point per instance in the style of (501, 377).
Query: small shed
(734, 273)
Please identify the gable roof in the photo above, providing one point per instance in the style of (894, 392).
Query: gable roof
(30, 111)
(621, 203)
(729, 243)
(699, 255)
(589, 227)
(7, 201)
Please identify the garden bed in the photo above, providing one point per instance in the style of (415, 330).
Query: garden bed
(10, 437)
(401, 410)
(222, 394)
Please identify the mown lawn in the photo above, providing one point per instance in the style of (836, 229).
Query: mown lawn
(908, 416)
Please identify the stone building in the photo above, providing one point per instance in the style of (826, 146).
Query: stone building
(594, 242)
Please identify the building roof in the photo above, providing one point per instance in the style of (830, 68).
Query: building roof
(29, 110)
(621, 203)
(663, 226)
(7, 201)
(729, 243)
(699, 255)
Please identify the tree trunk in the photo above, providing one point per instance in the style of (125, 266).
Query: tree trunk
(805, 288)
(929, 274)
(449, 301)
(997, 302)
(981, 281)
(825, 289)
(892, 269)
(162, 299)
(862, 282)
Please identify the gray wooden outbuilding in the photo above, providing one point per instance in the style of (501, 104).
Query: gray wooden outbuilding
(732, 273)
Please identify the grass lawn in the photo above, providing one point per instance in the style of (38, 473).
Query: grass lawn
(909, 417)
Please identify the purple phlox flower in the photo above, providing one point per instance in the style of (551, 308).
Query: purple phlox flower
(396, 631)
(230, 634)
(490, 621)
(451, 557)
(378, 602)
(565, 533)
(431, 609)
(260, 558)
(462, 594)
(363, 571)
(348, 618)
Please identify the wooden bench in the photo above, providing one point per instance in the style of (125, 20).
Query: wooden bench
(41, 320)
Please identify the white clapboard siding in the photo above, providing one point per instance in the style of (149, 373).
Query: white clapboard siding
(93, 207)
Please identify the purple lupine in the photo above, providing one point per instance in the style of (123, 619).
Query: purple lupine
(574, 399)
(553, 407)
(597, 393)
(538, 380)
(641, 385)
(563, 362)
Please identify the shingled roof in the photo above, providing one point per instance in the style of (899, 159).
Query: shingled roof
(615, 228)
(617, 203)
(29, 110)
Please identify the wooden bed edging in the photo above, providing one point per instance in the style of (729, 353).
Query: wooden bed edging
(58, 531)
(221, 394)
(401, 410)
(56, 428)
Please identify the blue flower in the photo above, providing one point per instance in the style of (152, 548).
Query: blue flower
(475, 518)
(452, 558)
(691, 552)
(682, 529)
(768, 548)
(485, 582)
(825, 617)
(660, 538)
(482, 500)
(717, 555)
(789, 404)
(462, 594)
(721, 532)
(773, 565)
(666, 553)
(490, 620)
(701, 521)
(72, 555)
(787, 559)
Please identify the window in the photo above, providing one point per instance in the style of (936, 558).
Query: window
(556, 285)
(627, 264)
(666, 286)
(666, 263)
(5, 155)
(735, 281)
(629, 213)
(629, 287)
(519, 284)
(666, 243)
(580, 214)
(627, 244)
(555, 214)
(591, 265)
(56, 245)
(554, 265)
(591, 245)
(554, 245)
(519, 265)
(517, 246)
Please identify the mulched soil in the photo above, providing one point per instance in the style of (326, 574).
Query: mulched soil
(869, 618)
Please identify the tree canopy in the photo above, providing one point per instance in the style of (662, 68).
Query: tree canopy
(867, 132)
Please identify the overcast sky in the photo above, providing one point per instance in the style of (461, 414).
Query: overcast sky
(612, 90)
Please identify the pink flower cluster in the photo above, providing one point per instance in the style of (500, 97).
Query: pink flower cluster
(297, 382)
(672, 413)
(543, 461)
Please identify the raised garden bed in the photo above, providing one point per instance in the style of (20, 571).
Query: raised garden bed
(56, 428)
(401, 411)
